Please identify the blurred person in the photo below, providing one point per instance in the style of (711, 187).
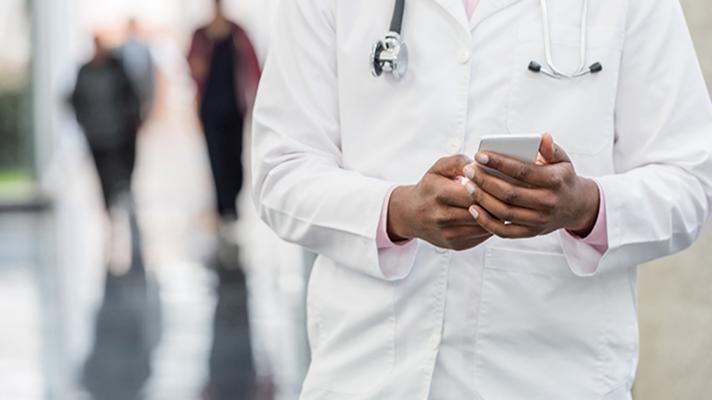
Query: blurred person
(225, 69)
(446, 278)
(109, 112)
(138, 64)
(108, 109)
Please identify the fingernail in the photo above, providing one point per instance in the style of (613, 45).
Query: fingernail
(474, 212)
(469, 186)
(482, 158)
(469, 171)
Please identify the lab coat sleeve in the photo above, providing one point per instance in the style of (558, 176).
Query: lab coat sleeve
(660, 197)
(587, 252)
(396, 259)
(302, 189)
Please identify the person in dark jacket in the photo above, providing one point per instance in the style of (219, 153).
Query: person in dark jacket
(109, 112)
(127, 325)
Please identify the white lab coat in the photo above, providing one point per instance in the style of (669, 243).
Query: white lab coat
(330, 141)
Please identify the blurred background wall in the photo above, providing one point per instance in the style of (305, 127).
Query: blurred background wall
(675, 298)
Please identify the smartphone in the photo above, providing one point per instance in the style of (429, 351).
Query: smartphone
(524, 147)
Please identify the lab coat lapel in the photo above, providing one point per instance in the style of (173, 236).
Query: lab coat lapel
(456, 10)
(488, 8)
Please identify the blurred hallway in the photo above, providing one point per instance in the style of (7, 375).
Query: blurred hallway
(63, 251)
(173, 198)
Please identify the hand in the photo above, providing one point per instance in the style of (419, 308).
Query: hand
(436, 209)
(546, 197)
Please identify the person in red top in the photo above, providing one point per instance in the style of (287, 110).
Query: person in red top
(225, 69)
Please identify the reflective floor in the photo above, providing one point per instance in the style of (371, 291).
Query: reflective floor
(188, 339)
(21, 374)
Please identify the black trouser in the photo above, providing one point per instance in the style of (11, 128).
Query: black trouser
(115, 166)
(223, 134)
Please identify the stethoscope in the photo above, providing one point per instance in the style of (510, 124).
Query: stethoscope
(390, 55)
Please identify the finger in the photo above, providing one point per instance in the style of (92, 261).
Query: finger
(499, 228)
(509, 213)
(465, 232)
(463, 238)
(450, 167)
(473, 242)
(456, 217)
(455, 192)
(528, 173)
(533, 198)
(467, 243)
(551, 152)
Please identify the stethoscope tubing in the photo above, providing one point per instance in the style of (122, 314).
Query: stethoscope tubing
(554, 71)
(550, 70)
(397, 19)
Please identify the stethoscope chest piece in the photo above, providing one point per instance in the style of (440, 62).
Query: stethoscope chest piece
(390, 55)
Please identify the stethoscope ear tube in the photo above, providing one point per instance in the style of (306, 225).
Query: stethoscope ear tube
(537, 68)
(596, 68)
(551, 70)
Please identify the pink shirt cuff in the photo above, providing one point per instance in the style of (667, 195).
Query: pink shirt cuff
(382, 238)
(584, 255)
(598, 238)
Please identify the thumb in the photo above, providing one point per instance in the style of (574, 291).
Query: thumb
(451, 167)
(550, 151)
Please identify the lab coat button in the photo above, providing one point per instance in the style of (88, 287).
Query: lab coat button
(435, 342)
(464, 56)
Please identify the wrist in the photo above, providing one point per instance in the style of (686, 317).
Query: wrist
(397, 225)
(589, 214)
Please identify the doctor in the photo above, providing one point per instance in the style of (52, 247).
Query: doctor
(420, 291)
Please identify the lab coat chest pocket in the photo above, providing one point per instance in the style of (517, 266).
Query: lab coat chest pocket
(541, 329)
(579, 112)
